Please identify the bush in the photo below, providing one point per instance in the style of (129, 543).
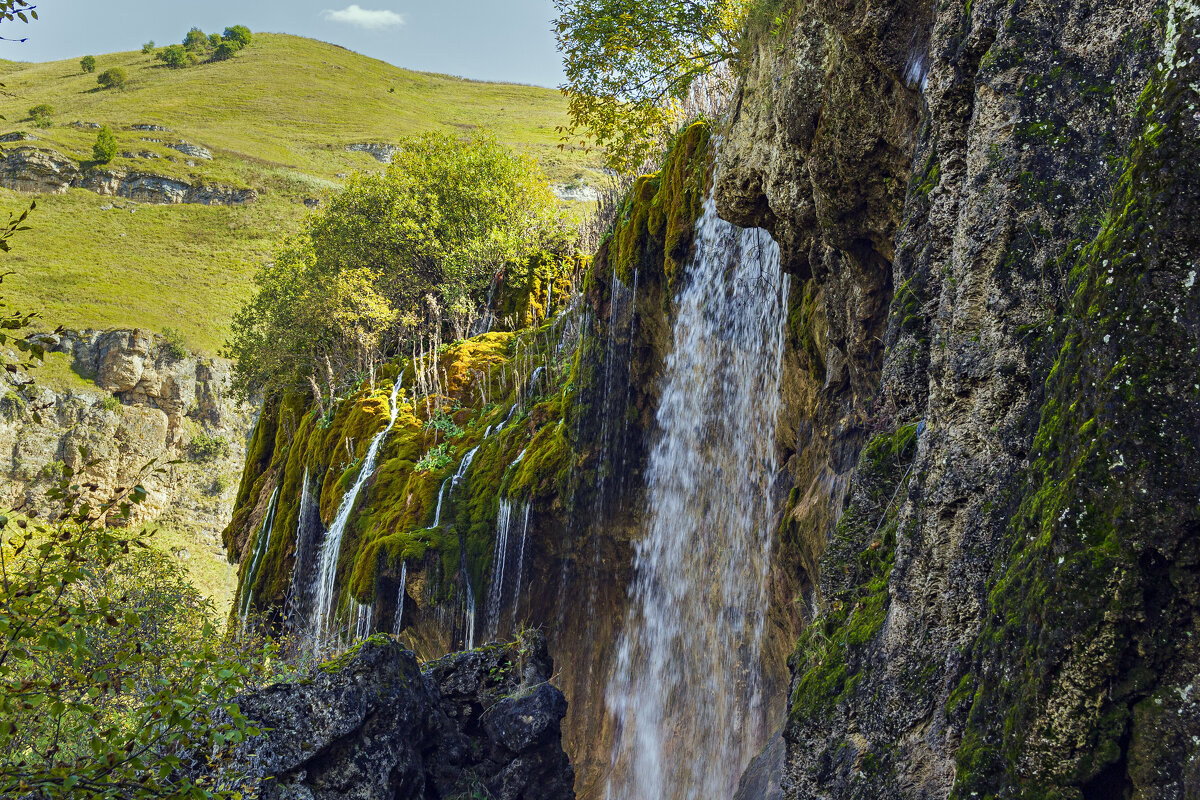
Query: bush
(238, 35)
(41, 114)
(175, 56)
(196, 39)
(224, 51)
(173, 344)
(105, 148)
(207, 448)
(114, 78)
(88, 63)
(148, 48)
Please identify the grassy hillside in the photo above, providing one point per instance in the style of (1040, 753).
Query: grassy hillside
(277, 118)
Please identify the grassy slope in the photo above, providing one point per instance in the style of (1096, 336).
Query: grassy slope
(277, 118)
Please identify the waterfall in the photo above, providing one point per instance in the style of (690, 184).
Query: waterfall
(468, 612)
(295, 604)
(685, 691)
(501, 567)
(325, 605)
(437, 516)
(398, 625)
(496, 589)
(262, 542)
(520, 569)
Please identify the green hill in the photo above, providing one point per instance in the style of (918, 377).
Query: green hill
(277, 118)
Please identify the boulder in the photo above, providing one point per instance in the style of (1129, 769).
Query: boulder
(374, 725)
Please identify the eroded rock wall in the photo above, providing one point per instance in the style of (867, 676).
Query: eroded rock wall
(990, 202)
(144, 401)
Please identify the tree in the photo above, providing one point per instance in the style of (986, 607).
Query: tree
(88, 63)
(174, 56)
(41, 114)
(238, 34)
(105, 148)
(367, 272)
(196, 40)
(113, 78)
(631, 63)
(148, 48)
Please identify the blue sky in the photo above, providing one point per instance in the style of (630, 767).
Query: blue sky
(506, 40)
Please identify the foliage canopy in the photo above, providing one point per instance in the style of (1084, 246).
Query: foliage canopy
(88, 63)
(630, 65)
(377, 268)
(113, 78)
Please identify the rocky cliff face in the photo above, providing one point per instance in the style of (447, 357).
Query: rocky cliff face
(28, 169)
(373, 725)
(149, 402)
(988, 203)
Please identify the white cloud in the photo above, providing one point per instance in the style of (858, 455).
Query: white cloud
(364, 17)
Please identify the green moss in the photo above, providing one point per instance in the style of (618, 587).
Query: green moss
(658, 216)
(825, 660)
(1068, 601)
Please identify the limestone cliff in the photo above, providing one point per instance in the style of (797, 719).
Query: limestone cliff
(140, 400)
(988, 204)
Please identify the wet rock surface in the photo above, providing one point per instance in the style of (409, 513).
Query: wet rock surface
(987, 207)
(374, 725)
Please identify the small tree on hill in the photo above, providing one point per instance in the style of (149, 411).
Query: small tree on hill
(175, 56)
(148, 48)
(196, 39)
(41, 114)
(105, 148)
(239, 35)
(88, 63)
(113, 78)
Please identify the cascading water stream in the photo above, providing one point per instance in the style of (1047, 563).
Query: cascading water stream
(325, 603)
(686, 687)
(263, 542)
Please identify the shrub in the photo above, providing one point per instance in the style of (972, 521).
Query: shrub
(173, 344)
(238, 35)
(224, 51)
(214, 39)
(148, 48)
(175, 56)
(113, 78)
(204, 447)
(41, 114)
(110, 403)
(437, 458)
(196, 39)
(105, 148)
(88, 63)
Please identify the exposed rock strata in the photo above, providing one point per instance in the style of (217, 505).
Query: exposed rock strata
(26, 169)
(374, 725)
(149, 403)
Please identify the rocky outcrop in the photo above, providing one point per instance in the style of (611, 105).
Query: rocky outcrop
(48, 172)
(374, 725)
(989, 204)
(149, 402)
(377, 150)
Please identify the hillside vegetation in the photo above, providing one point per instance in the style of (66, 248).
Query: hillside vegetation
(277, 118)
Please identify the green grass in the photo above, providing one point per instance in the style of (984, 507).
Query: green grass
(277, 118)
